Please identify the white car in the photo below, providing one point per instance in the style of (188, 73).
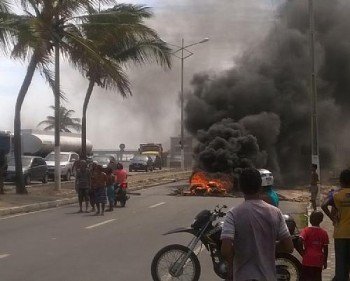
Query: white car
(67, 160)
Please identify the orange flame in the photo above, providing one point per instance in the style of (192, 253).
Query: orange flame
(208, 184)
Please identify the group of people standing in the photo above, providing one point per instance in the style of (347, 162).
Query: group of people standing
(256, 229)
(314, 240)
(336, 206)
(97, 186)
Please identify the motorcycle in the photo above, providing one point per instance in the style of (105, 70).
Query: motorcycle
(120, 194)
(179, 262)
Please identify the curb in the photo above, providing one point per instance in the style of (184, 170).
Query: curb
(69, 201)
(37, 206)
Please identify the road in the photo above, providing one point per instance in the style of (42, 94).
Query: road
(60, 244)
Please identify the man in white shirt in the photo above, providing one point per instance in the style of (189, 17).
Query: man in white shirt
(250, 233)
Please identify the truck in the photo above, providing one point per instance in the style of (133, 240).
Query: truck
(155, 151)
(41, 143)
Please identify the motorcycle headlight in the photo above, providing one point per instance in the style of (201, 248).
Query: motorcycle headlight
(201, 219)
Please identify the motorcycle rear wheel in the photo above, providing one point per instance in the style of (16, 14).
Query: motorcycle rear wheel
(165, 259)
(122, 202)
(288, 267)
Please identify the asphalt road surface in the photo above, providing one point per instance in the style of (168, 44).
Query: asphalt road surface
(61, 244)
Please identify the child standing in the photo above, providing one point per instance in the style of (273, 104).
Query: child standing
(314, 241)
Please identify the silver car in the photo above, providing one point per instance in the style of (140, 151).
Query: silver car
(67, 160)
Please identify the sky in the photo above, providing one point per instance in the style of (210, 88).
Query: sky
(152, 114)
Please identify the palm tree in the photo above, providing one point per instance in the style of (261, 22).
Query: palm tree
(44, 26)
(67, 122)
(16, 32)
(125, 39)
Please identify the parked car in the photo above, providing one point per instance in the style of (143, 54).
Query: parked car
(34, 168)
(67, 160)
(105, 161)
(157, 162)
(141, 162)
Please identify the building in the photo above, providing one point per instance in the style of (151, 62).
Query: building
(175, 152)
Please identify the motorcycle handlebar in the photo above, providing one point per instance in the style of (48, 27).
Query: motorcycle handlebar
(221, 214)
(218, 211)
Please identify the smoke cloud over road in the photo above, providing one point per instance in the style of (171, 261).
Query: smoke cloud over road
(261, 107)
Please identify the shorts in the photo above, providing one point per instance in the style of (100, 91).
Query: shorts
(313, 191)
(83, 194)
(311, 273)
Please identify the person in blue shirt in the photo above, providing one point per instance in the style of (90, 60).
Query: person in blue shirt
(268, 194)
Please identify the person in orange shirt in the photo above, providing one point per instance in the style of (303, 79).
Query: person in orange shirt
(120, 174)
(120, 181)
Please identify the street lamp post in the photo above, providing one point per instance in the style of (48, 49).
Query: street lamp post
(314, 120)
(182, 49)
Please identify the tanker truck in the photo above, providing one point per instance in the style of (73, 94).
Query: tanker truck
(41, 143)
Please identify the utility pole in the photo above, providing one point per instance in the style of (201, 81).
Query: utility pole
(182, 139)
(184, 54)
(314, 118)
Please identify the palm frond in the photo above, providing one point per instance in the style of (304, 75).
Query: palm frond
(4, 6)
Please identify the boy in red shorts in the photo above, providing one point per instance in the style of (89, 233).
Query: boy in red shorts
(314, 241)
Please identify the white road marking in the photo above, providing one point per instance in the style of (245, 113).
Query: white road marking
(4, 256)
(99, 224)
(156, 205)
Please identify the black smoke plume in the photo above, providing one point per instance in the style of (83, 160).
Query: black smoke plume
(264, 101)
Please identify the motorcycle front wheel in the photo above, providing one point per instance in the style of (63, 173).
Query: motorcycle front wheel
(288, 267)
(168, 258)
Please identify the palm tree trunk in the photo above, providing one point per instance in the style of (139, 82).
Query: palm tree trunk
(17, 139)
(83, 121)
